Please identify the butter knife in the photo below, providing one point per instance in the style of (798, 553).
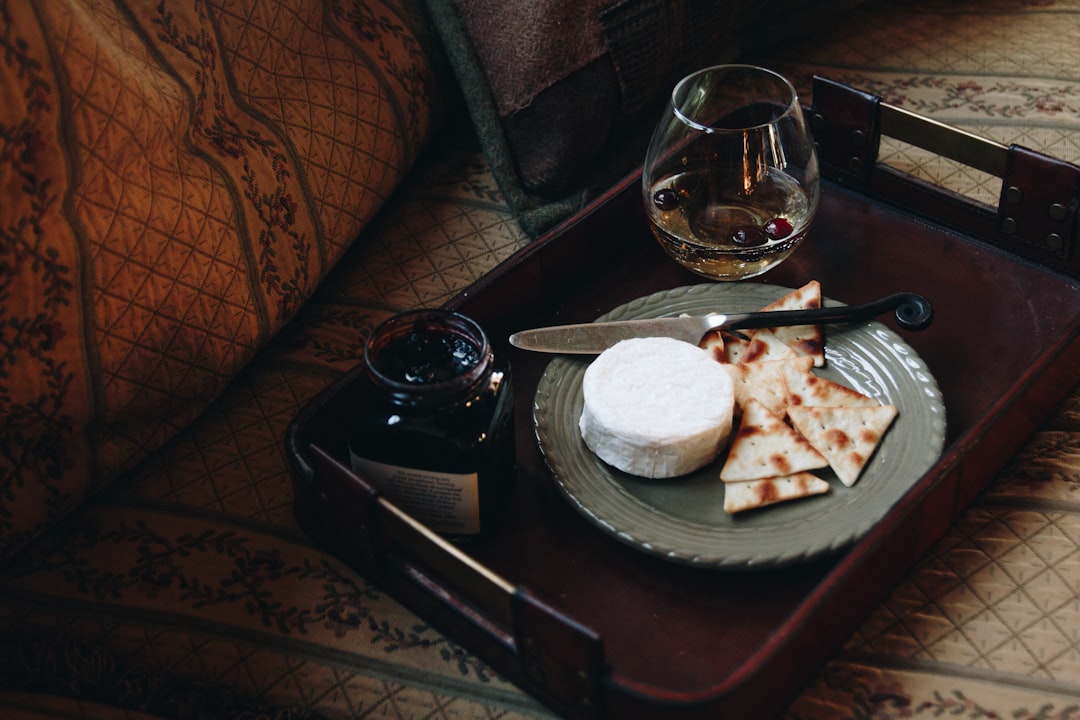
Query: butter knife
(913, 312)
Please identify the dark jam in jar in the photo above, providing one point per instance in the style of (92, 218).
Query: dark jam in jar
(434, 427)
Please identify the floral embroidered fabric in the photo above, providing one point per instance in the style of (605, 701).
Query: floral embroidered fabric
(184, 588)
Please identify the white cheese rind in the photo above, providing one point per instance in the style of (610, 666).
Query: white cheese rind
(656, 407)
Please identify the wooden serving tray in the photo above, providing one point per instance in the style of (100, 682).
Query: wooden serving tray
(596, 628)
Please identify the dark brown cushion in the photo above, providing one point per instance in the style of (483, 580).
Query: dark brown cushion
(565, 92)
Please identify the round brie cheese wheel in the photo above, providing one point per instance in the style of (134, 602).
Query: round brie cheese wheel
(656, 407)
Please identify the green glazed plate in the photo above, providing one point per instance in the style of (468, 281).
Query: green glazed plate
(682, 519)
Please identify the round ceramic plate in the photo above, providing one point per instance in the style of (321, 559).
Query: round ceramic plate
(682, 519)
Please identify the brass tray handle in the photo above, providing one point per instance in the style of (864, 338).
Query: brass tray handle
(947, 141)
(1037, 212)
(560, 660)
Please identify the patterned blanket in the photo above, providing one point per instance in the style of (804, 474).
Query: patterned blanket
(184, 588)
(177, 180)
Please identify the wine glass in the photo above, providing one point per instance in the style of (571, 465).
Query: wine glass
(730, 181)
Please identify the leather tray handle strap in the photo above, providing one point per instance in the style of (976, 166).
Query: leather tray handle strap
(1038, 205)
(1036, 215)
(555, 657)
(559, 659)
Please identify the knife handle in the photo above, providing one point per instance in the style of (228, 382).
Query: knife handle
(913, 312)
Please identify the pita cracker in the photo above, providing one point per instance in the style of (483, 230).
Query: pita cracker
(734, 346)
(804, 340)
(725, 346)
(765, 345)
(765, 381)
(803, 298)
(742, 496)
(766, 446)
(805, 388)
(847, 436)
(713, 342)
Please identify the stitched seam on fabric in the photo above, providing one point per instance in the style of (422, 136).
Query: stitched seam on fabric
(91, 357)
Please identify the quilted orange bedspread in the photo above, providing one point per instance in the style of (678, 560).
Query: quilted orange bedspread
(176, 179)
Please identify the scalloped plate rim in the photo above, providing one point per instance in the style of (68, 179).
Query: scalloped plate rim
(660, 537)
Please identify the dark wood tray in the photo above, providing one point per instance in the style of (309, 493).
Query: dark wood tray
(595, 628)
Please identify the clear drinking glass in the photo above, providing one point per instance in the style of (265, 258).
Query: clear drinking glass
(730, 180)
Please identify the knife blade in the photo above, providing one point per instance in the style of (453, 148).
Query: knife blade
(912, 311)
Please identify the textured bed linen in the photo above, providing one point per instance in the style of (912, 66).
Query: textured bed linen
(177, 179)
(186, 590)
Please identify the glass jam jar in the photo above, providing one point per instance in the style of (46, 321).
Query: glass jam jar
(434, 424)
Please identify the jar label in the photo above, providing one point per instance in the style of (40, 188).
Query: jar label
(446, 502)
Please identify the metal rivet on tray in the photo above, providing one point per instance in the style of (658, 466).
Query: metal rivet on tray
(1057, 211)
(1008, 226)
(855, 164)
(858, 137)
(583, 680)
(1054, 241)
(817, 121)
(1013, 195)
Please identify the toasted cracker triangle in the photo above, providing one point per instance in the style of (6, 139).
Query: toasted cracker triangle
(807, 340)
(765, 381)
(766, 446)
(805, 388)
(725, 347)
(752, 494)
(766, 345)
(847, 436)
(714, 343)
(735, 347)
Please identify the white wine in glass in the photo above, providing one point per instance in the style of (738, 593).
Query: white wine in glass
(730, 181)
